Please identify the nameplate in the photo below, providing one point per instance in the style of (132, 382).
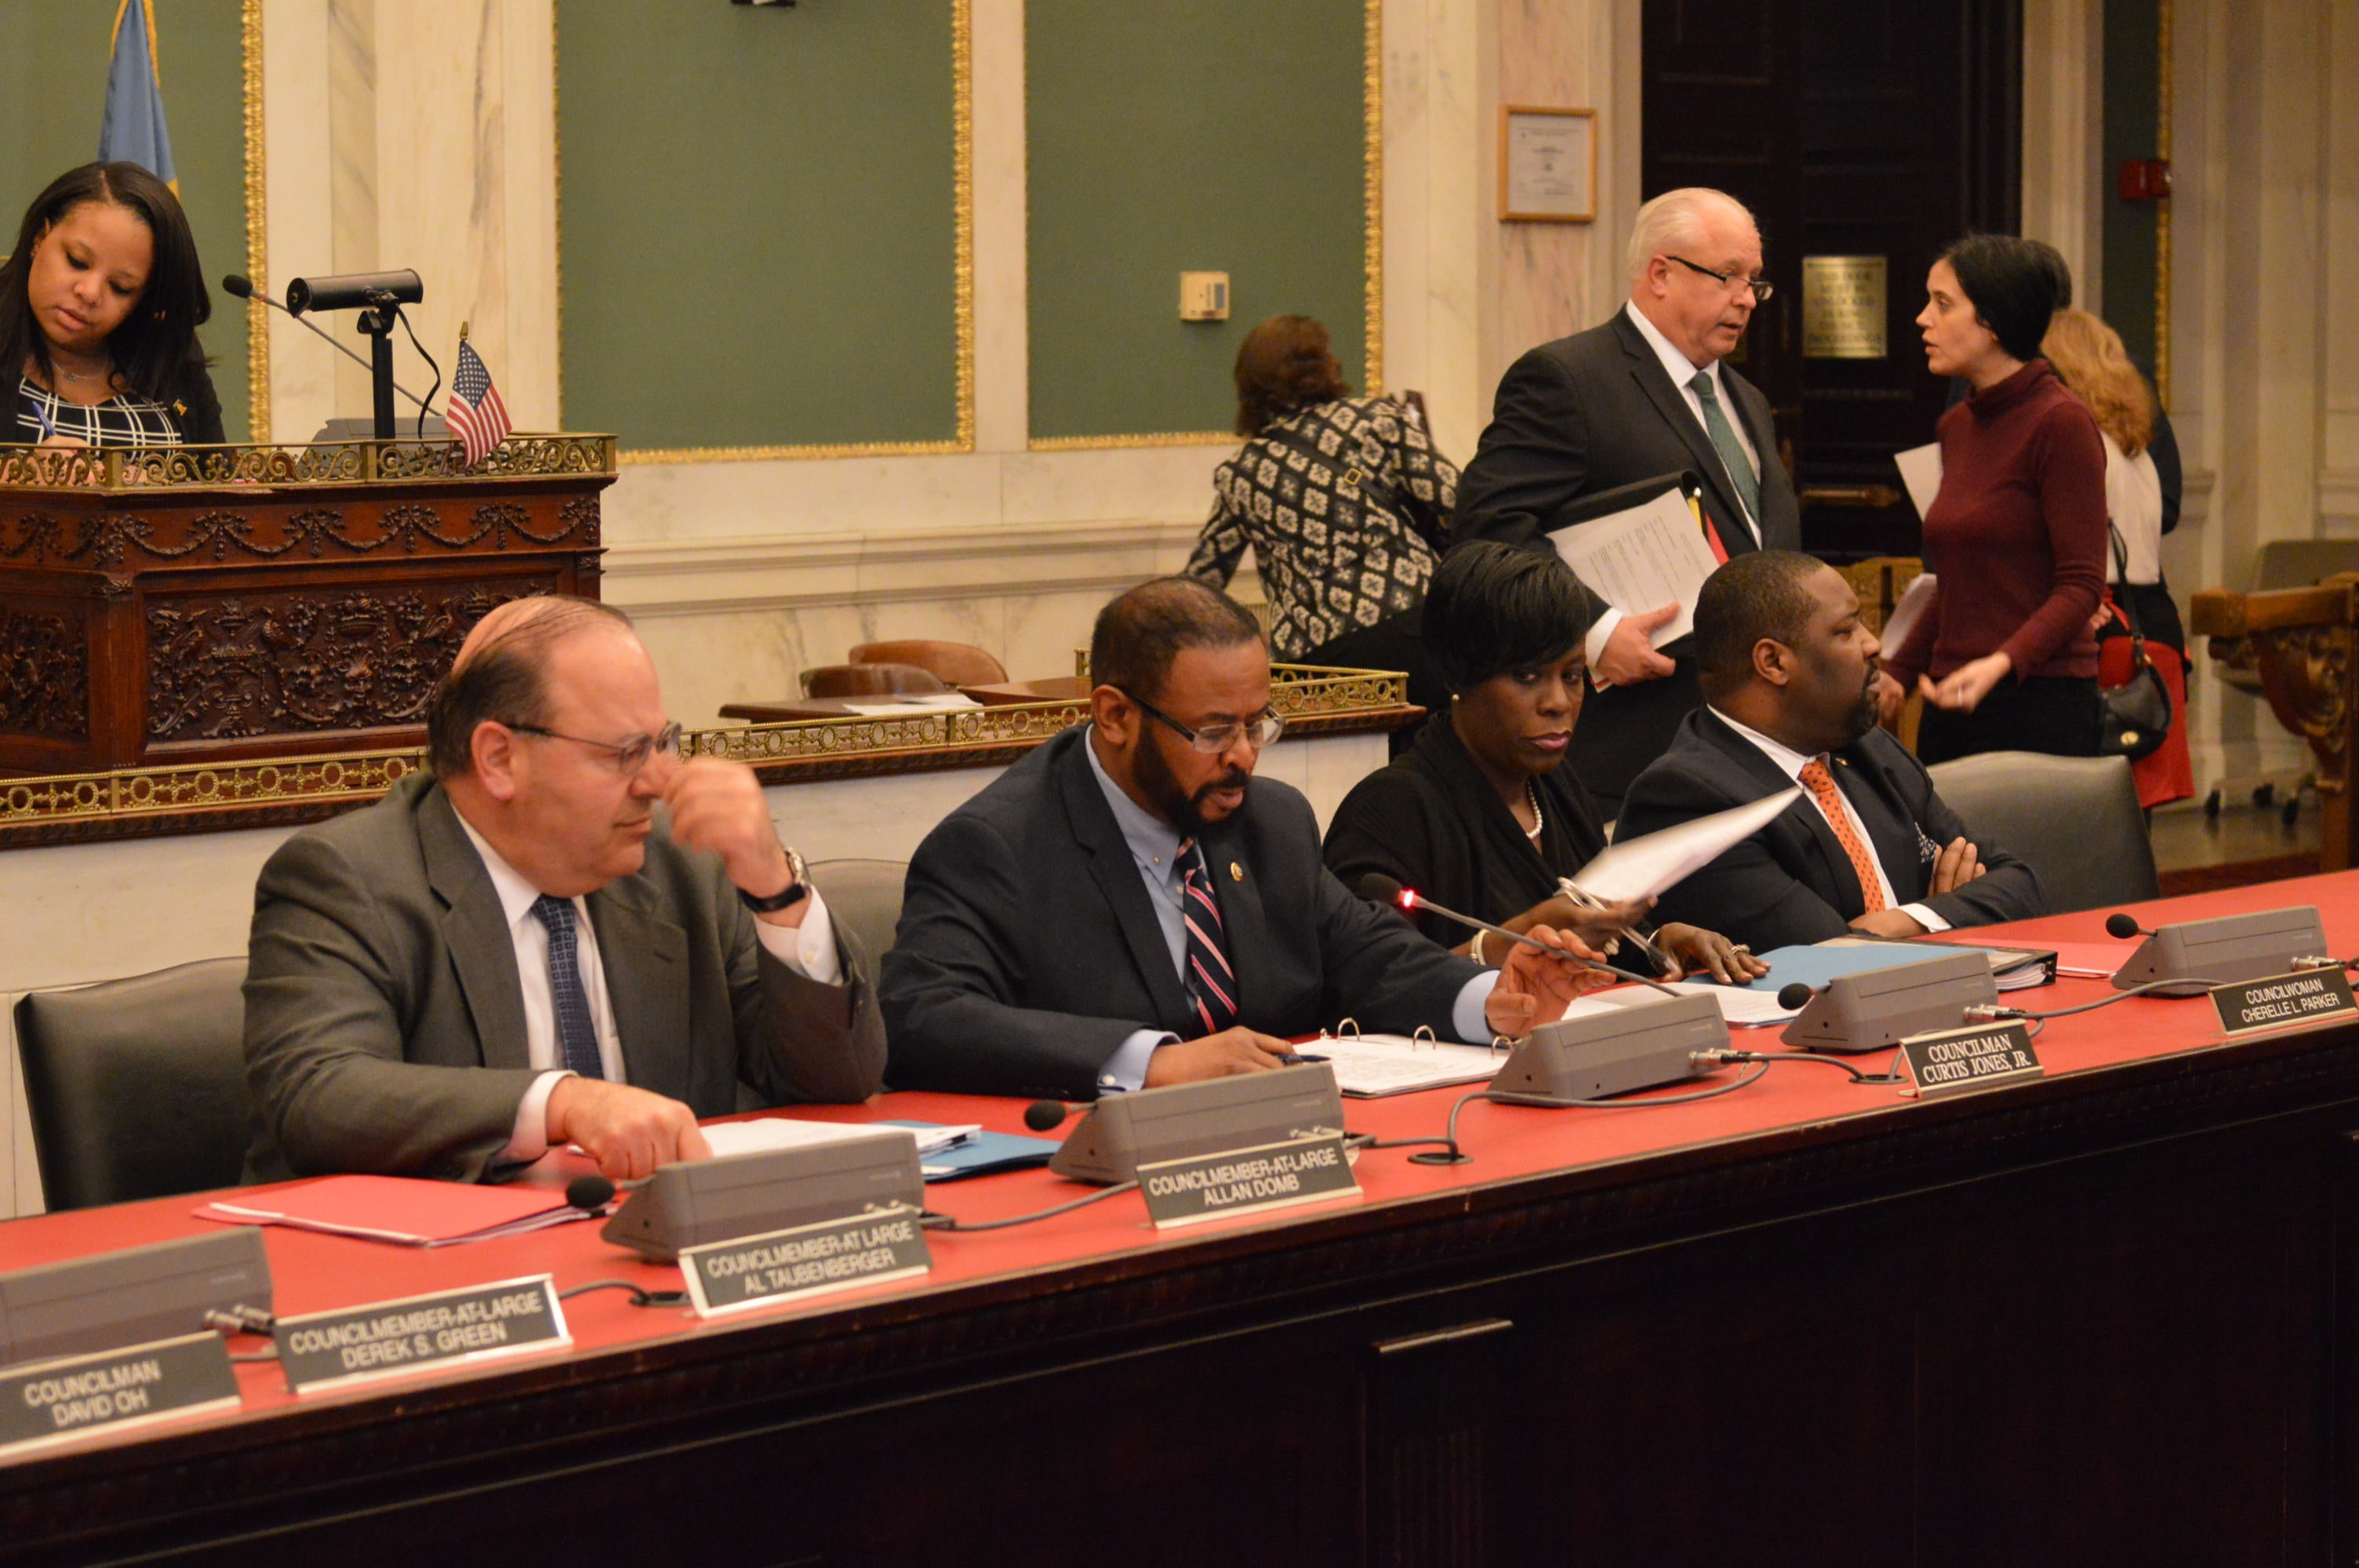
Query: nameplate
(56, 1402)
(1949, 1060)
(2306, 996)
(806, 1260)
(416, 1334)
(1244, 1180)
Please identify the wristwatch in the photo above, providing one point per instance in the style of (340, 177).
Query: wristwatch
(793, 893)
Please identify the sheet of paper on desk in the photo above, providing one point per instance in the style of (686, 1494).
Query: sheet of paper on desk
(916, 702)
(1642, 560)
(1645, 867)
(787, 1132)
(1921, 470)
(1370, 1066)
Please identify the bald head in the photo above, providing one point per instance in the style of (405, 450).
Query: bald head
(501, 673)
(1682, 221)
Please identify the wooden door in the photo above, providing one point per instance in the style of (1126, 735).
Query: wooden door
(1853, 129)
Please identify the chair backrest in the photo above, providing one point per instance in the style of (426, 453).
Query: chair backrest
(954, 664)
(2298, 563)
(2075, 819)
(136, 1087)
(864, 897)
(868, 680)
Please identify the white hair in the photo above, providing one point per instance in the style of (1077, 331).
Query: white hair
(1675, 221)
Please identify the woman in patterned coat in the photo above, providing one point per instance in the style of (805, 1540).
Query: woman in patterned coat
(1344, 501)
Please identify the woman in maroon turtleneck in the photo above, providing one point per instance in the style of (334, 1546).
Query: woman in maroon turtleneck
(2016, 538)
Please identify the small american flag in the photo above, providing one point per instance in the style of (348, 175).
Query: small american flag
(475, 413)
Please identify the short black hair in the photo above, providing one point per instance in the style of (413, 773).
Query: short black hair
(1755, 595)
(504, 681)
(1493, 608)
(1140, 633)
(2012, 285)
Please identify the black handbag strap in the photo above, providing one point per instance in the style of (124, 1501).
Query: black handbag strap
(2123, 601)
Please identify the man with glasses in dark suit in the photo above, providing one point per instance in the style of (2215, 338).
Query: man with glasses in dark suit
(515, 951)
(1129, 906)
(1646, 395)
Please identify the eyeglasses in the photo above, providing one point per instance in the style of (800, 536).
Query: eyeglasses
(629, 756)
(1728, 280)
(1214, 738)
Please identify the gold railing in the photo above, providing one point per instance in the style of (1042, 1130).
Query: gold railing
(331, 783)
(324, 462)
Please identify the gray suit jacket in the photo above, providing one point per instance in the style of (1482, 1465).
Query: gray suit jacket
(385, 1025)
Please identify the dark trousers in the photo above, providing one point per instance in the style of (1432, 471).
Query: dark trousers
(2058, 717)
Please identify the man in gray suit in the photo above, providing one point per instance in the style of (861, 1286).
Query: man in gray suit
(1647, 393)
(515, 952)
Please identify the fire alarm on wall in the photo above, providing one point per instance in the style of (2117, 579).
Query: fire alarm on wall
(1203, 297)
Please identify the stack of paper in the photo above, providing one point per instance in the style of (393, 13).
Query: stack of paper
(1642, 560)
(1370, 1066)
(400, 1209)
(1645, 867)
(785, 1132)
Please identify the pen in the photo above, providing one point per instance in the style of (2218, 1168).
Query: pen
(1646, 949)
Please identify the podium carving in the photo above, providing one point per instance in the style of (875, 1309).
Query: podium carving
(228, 603)
(2297, 644)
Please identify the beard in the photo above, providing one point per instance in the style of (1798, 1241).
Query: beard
(1863, 716)
(1183, 810)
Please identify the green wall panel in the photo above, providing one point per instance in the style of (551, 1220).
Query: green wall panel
(53, 57)
(2133, 104)
(1221, 135)
(758, 222)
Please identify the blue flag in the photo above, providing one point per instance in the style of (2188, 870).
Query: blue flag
(133, 131)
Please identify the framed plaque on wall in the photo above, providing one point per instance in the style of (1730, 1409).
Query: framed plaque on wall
(1547, 165)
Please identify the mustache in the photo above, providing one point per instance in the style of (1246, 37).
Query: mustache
(1236, 778)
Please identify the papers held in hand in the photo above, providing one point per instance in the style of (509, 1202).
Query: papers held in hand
(1640, 546)
(1647, 867)
(1913, 601)
(1921, 470)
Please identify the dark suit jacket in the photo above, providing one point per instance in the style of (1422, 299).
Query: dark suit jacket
(1029, 950)
(1791, 882)
(385, 1023)
(1593, 412)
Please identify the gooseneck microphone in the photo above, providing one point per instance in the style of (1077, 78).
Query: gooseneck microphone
(1042, 1114)
(1797, 996)
(1383, 889)
(595, 1192)
(2123, 925)
(241, 285)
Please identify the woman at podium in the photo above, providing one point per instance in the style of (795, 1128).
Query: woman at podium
(2016, 536)
(99, 303)
(1481, 814)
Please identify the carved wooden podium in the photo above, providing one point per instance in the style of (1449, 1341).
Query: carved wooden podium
(2299, 642)
(225, 603)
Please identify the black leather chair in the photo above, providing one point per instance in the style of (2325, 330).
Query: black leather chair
(2076, 820)
(864, 897)
(136, 1087)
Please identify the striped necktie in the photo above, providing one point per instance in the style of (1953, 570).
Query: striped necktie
(577, 1037)
(1211, 982)
(1821, 782)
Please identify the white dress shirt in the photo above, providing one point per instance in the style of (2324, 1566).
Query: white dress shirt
(1790, 763)
(1155, 850)
(808, 949)
(1681, 370)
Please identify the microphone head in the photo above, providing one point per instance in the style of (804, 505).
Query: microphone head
(2122, 925)
(238, 284)
(591, 1192)
(1043, 1114)
(1384, 890)
(1795, 996)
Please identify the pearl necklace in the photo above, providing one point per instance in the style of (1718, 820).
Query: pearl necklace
(1538, 821)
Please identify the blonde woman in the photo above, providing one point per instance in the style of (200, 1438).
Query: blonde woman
(2088, 356)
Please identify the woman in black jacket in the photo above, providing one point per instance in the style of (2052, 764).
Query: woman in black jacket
(1481, 814)
(100, 302)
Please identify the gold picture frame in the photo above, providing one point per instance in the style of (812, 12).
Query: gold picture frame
(1547, 165)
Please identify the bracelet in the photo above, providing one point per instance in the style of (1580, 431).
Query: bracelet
(1479, 937)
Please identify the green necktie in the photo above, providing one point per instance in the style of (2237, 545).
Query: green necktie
(1731, 450)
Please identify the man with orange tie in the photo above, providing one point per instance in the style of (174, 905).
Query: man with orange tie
(1788, 675)
(1643, 395)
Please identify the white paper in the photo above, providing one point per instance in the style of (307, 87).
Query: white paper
(1921, 470)
(916, 702)
(1903, 619)
(1645, 867)
(1744, 1007)
(1642, 560)
(1368, 1067)
(785, 1132)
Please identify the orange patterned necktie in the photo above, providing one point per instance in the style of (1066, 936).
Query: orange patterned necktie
(1821, 785)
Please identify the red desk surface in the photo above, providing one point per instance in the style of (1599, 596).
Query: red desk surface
(1509, 1144)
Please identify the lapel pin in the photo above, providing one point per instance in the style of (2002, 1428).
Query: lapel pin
(1237, 873)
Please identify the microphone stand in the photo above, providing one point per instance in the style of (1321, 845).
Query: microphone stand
(251, 292)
